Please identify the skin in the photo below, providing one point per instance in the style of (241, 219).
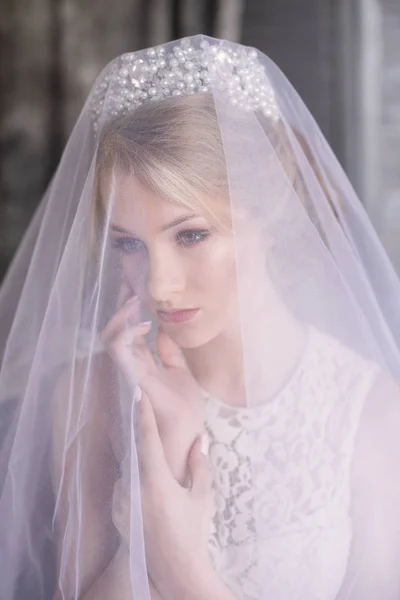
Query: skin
(189, 263)
(174, 258)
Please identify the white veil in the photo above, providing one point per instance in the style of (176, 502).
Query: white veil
(306, 492)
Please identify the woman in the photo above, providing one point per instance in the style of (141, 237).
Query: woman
(204, 375)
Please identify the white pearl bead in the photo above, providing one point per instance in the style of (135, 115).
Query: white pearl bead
(235, 72)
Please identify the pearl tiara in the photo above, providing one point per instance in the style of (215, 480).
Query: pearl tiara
(180, 69)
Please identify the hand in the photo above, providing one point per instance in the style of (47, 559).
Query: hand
(176, 520)
(173, 392)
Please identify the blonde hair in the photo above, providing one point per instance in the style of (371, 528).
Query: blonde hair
(174, 147)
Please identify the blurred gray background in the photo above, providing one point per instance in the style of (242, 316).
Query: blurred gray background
(343, 57)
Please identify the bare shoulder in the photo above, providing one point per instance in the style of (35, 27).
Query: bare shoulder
(378, 440)
(83, 407)
(372, 570)
(84, 471)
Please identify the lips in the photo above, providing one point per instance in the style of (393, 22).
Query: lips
(177, 316)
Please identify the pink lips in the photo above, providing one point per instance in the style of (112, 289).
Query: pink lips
(177, 316)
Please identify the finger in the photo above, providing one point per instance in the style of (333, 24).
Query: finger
(169, 352)
(131, 335)
(162, 397)
(152, 462)
(199, 469)
(140, 352)
(129, 313)
(128, 337)
(121, 507)
(154, 595)
(128, 349)
(125, 293)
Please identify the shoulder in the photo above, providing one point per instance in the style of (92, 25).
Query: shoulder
(85, 387)
(83, 408)
(378, 440)
(375, 496)
(338, 363)
(331, 348)
(376, 484)
(339, 380)
(85, 468)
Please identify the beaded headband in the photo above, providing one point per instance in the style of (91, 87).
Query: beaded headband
(182, 69)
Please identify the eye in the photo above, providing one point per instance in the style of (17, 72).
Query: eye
(127, 245)
(191, 237)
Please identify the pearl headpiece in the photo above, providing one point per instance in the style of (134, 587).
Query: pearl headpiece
(182, 69)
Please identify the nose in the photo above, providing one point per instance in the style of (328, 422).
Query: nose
(166, 275)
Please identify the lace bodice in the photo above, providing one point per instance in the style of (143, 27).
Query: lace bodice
(281, 527)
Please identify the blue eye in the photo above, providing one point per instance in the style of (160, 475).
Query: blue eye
(191, 237)
(128, 245)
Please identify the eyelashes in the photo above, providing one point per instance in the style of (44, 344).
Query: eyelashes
(128, 245)
(192, 237)
(187, 239)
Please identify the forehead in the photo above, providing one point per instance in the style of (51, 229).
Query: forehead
(129, 200)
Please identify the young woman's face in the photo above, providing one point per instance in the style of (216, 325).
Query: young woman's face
(182, 267)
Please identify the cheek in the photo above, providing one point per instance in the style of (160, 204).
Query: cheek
(215, 272)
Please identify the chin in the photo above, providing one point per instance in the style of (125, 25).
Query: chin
(190, 338)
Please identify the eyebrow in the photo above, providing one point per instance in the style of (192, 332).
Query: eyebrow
(169, 225)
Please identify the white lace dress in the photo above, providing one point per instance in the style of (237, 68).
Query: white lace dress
(291, 537)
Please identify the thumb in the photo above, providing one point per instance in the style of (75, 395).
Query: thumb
(168, 351)
(199, 471)
(125, 292)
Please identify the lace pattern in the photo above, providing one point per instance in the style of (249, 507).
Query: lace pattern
(282, 479)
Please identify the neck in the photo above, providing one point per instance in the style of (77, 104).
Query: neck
(218, 366)
(252, 360)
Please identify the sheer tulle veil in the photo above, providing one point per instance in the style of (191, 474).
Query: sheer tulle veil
(210, 128)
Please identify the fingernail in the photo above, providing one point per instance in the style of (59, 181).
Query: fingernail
(137, 394)
(132, 300)
(205, 444)
(145, 324)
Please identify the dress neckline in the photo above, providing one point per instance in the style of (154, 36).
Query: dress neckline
(212, 401)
